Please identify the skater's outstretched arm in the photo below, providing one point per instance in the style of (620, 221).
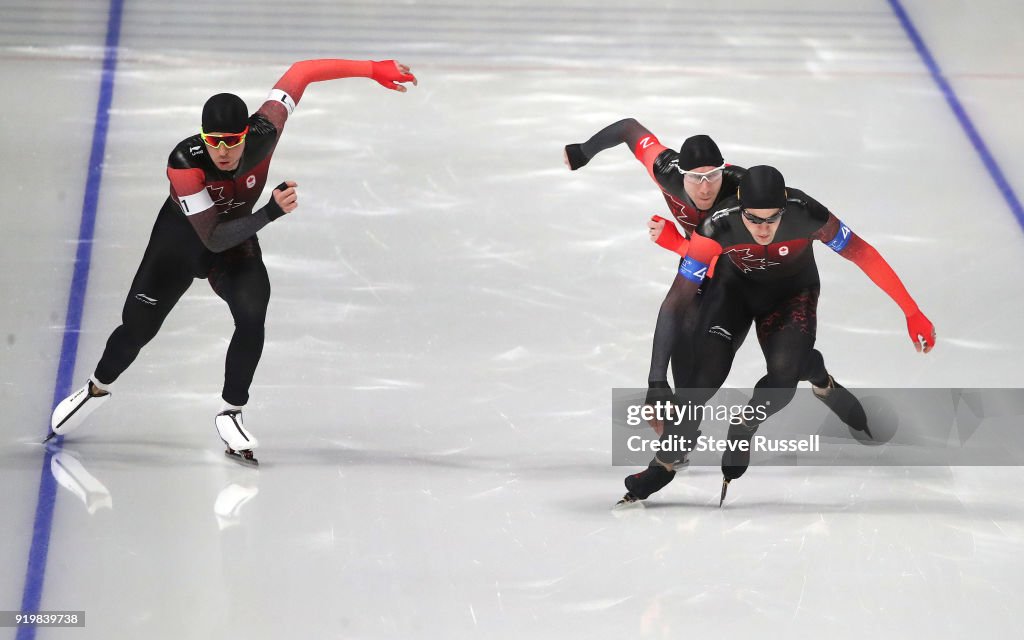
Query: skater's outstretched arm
(841, 239)
(188, 182)
(289, 89)
(641, 142)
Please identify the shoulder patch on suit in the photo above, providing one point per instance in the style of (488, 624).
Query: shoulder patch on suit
(187, 154)
(666, 161)
(260, 125)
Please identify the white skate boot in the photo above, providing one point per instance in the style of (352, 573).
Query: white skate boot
(73, 410)
(238, 441)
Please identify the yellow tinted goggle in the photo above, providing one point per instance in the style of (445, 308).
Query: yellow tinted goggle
(229, 140)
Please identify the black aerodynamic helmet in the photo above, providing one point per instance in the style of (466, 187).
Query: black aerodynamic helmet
(699, 151)
(762, 188)
(225, 113)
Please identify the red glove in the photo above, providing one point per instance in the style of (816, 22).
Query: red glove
(388, 73)
(670, 238)
(922, 331)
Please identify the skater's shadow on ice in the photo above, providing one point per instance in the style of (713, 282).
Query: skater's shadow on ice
(334, 454)
(148, 453)
(174, 453)
(169, 454)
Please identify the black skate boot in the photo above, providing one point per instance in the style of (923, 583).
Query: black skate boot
(844, 404)
(640, 486)
(735, 461)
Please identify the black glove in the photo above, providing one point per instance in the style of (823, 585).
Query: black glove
(274, 210)
(574, 153)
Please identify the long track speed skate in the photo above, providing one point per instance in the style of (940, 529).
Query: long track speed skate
(72, 411)
(238, 441)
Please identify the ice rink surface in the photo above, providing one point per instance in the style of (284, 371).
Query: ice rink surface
(452, 307)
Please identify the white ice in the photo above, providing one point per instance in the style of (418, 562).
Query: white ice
(452, 306)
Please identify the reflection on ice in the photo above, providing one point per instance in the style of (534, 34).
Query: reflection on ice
(229, 503)
(71, 474)
(451, 307)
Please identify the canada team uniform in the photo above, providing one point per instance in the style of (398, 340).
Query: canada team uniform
(775, 286)
(673, 331)
(207, 229)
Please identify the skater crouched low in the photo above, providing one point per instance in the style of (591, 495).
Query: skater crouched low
(207, 229)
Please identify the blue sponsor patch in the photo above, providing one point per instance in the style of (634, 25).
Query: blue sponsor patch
(842, 238)
(692, 270)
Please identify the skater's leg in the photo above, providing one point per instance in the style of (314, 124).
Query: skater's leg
(786, 334)
(723, 317)
(156, 288)
(240, 278)
(682, 357)
(158, 285)
(243, 283)
(835, 396)
(673, 342)
(713, 355)
(813, 369)
(673, 338)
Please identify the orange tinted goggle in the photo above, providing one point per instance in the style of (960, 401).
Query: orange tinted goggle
(229, 140)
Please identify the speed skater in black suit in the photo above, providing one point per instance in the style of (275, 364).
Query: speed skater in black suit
(693, 181)
(207, 229)
(766, 275)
